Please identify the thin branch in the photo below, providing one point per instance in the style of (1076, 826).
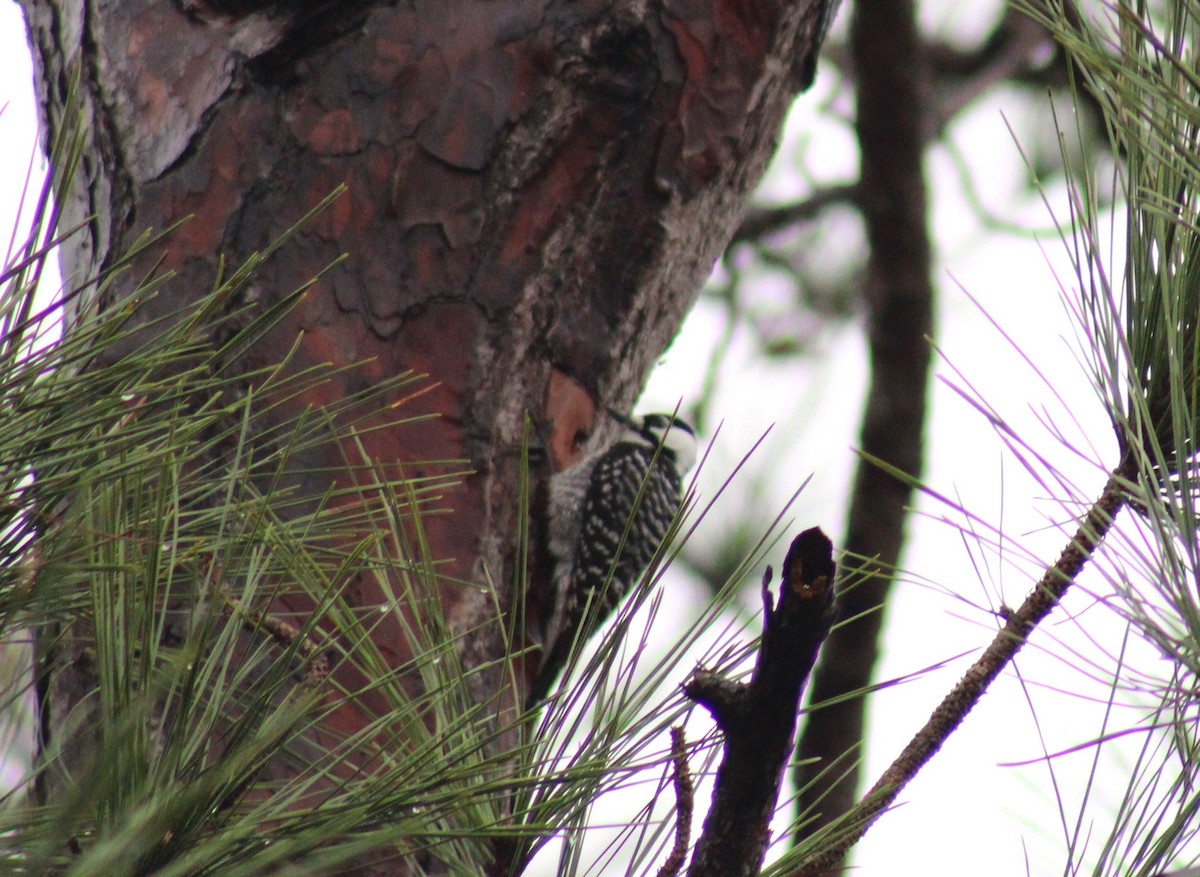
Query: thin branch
(963, 697)
(1012, 50)
(684, 805)
(758, 719)
(285, 634)
(762, 221)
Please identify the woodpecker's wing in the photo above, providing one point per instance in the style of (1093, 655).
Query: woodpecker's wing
(607, 508)
(621, 479)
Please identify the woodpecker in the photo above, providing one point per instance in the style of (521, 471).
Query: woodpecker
(631, 489)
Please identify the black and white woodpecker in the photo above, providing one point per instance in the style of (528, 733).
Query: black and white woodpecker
(631, 491)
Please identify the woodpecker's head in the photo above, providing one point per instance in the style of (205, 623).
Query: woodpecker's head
(675, 435)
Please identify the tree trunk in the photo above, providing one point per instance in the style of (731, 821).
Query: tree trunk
(536, 191)
(892, 127)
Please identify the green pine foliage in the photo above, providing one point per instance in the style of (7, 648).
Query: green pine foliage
(149, 526)
(1136, 296)
(148, 521)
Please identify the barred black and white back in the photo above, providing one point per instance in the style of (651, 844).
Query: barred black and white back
(632, 490)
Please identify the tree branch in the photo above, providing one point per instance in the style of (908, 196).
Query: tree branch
(1010, 52)
(684, 805)
(962, 699)
(758, 718)
(762, 221)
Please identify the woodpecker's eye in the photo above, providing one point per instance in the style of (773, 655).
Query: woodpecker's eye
(579, 440)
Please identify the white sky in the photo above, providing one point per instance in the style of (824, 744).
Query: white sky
(966, 813)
